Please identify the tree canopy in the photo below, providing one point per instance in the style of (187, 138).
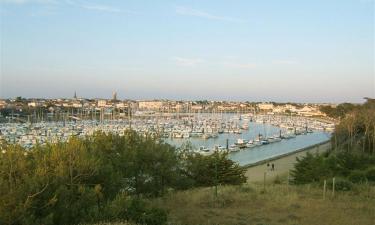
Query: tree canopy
(101, 177)
(353, 149)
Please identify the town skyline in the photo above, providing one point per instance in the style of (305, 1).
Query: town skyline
(76, 96)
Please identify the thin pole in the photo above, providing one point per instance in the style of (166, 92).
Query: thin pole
(216, 180)
(264, 182)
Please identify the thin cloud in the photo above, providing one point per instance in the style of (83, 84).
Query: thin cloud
(103, 8)
(187, 61)
(198, 13)
(241, 65)
(21, 2)
(98, 7)
(284, 62)
(72, 3)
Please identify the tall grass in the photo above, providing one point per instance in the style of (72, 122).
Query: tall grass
(278, 204)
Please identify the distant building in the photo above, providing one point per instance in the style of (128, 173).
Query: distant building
(279, 109)
(121, 105)
(114, 96)
(150, 105)
(33, 104)
(265, 106)
(179, 107)
(196, 107)
(66, 104)
(309, 111)
(284, 108)
(3, 104)
(77, 104)
(227, 107)
(102, 103)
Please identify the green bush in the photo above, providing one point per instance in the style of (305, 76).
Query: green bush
(133, 209)
(155, 216)
(341, 184)
(370, 174)
(138, 212)
(213, 169)
(357, 176)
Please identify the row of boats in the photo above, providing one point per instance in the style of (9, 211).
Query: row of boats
(247, 144)
(202, 126)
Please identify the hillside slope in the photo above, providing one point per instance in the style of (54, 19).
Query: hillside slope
(279, 204)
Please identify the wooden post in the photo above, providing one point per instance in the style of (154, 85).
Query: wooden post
(264, 182)
(216, 179)
(333, 187)
(324, 189)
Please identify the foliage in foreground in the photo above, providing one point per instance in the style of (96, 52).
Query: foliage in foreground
(352, 158)
(99, 178)
(356, 168)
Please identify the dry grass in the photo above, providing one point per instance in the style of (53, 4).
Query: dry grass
(113, 223)
(280, 205)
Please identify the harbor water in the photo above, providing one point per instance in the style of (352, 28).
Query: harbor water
(258, 153)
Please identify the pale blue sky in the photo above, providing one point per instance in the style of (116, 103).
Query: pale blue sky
(304, 51)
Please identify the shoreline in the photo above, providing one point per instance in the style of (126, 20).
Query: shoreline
(283, 163)
(286, 154)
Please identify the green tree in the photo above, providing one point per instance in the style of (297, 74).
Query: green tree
(213, 169)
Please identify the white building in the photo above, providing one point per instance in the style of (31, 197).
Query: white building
(310, 111)
(196, 107)
(150, 105)
(33, 104)
(102, 103)
(3, 103)
(77, 104)
(121, 105)
(265, 106)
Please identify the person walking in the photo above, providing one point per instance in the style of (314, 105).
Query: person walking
(273, 167)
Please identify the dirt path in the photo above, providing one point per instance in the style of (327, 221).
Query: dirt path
(282, 165)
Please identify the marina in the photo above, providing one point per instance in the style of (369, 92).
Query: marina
(187, 112)
(248, 138)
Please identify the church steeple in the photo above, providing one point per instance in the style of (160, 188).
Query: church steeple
(114, 96)
(75, 95)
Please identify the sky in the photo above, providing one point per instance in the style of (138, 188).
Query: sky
(242, 50)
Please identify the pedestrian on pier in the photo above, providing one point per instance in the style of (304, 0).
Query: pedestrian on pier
(273, 167)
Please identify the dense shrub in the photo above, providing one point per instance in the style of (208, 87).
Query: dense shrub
(138, 212)
(85, 180)
(212, 169)
(357, 176)
(311, 168)
(315, 168)
(370, 174)
(341, 184)
(128, 208)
